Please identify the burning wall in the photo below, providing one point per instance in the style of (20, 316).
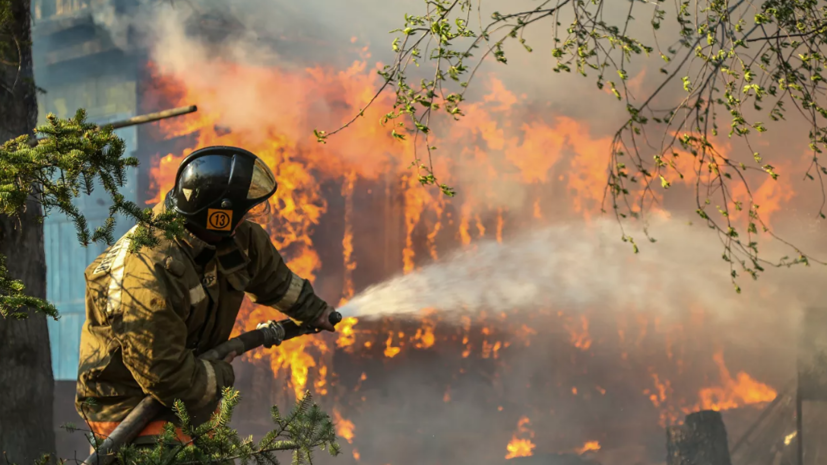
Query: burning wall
(598, 379)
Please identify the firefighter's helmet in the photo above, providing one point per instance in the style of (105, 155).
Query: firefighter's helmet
(218, 187)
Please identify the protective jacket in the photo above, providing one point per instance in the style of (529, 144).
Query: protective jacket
(149, 314)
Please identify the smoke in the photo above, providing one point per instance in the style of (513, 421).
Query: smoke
(217, 50)
(248, 62)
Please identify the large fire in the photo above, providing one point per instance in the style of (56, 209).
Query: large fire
(556, 161)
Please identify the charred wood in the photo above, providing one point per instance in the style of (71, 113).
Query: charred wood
(701, 440)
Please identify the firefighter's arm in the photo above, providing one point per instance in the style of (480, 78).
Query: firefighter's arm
(273, 284)
(150, 309)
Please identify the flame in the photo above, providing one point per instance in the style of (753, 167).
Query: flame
(344, 427)
(789, 438)
(424, 337)
(320, 384)
(590, 445)
(500, 224)
(521, 447)
(297, 356)
(162, 176)
(490, 350)
(346, 335)
(580, 335)
(347, 240)
(300, 361)
(588, 167)
(659, 396)
(415, 201)
(467, 351)
(480, 226)
(438, 207)
(733, 393)
(464, 235)
(390, 350)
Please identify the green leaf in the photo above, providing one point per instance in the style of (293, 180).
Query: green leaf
(396, 135)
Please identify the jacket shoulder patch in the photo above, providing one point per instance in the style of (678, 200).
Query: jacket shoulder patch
(116, 268)
(117, 251)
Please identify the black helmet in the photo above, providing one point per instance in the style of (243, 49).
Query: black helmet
(217, 186)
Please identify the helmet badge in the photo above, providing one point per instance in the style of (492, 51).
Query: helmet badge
(219, 220)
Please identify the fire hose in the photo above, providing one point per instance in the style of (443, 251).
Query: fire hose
(269, 334)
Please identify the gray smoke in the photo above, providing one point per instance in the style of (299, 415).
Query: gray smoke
(198, 42)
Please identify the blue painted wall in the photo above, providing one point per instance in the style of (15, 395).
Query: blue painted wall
(66, 261)
(79, 67)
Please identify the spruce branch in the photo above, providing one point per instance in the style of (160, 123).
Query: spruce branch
(306, 429)
(73, 159)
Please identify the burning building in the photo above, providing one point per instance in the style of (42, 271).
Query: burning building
(612, 348)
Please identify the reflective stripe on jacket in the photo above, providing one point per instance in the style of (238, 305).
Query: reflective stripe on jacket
(103, 429)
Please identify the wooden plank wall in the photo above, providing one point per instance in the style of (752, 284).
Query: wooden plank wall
(106, 98)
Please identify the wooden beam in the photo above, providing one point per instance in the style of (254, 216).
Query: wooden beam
(142, 119)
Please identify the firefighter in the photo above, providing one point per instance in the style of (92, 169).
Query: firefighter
(150, 314)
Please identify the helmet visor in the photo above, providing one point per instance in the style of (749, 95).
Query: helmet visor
(263, 182)
(260, 213)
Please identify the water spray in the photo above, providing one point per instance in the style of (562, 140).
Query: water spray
(570, 267)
